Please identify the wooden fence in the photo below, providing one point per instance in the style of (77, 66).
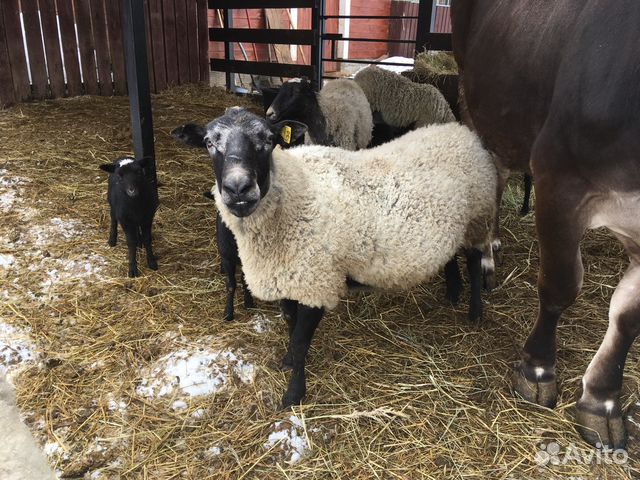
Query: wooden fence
(57, 48)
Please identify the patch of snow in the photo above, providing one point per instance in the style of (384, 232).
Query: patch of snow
(59, 270)
(7, 199)
(213, 451)
(52, 448)
(6, 260)
(116, 405)
(179, 405)
(199, 413)
(16, 348)
(290, 439)
(193, 372)
(261, 323)
(392, 68)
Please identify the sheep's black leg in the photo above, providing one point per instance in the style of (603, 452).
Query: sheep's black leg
(290, 314)
(113, 231)
(307, 320)
(248, 299)
(152, 263)
(453, 280)
(230, 269)
(131, 232)
(474, 267)
(527, 194)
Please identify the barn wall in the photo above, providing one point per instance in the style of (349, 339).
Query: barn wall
(369, 29)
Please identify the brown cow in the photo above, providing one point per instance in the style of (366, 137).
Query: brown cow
(556, 86)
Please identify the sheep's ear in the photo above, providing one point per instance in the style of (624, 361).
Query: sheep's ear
(190, 134)
(208, 195)
(287, 132)
(108, 167)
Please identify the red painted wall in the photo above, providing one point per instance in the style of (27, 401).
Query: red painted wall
(256, 17)
(369, 28)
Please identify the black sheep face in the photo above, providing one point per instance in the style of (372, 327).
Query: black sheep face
(128, 175)
(294, 99)
(240, 144)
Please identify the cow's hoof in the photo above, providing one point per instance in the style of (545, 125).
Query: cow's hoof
(601, 430)
(543, 393)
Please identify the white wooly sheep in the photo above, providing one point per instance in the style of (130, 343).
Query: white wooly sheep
(389, 217)
(20, 457)
(339, 115)
(401, 102)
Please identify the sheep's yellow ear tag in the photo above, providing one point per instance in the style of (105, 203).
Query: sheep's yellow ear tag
(285, 133)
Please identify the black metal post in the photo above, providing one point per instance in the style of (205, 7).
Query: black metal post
(425, 11)
(317, 25)
(135, 47)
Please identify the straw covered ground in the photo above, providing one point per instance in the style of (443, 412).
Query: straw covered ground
(140, 378)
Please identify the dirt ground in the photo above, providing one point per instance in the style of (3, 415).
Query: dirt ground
(140, 378)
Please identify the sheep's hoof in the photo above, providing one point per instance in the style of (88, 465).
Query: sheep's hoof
(133, 273)
(496, 246)
(540, 392)
(286, 363)
(152, 264)
(489, 280)
(292, 398)
(248, 300)
(112, 242)
(601, 430)
(228, 316)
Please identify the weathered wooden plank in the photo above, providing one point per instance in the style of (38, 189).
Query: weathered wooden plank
(87, 47)
(192, 34)
(263, 68)
(157, 44)
(116, 48)
(182, 41)
(203, 41)
(52, 48)
(169, 22)
(69, 48)
(7, 94)
(103, 60)
(15, 48)
(33, 35)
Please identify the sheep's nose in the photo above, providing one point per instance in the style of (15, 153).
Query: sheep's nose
(237, 186)
(132, 192)
(271, 114)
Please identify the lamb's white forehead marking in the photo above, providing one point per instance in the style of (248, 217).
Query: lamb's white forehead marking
(608, 405)
(539, 371)
(125, 161)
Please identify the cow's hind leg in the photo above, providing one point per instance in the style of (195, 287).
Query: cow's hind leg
(560, 229)
(599, 414)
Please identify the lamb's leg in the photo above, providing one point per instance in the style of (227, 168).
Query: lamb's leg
(230, 269)
(474, 267)
(131, 232)
(453, 280)
(140, 237)
(248, 299)
(307, 320)
(145, 230)
(113, 231)
(527, 194)
(289, 310)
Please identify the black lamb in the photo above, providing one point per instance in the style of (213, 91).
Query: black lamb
(133, 199)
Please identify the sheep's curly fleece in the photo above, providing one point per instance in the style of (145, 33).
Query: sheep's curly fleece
(401, 102)
(20, 457)
(347, 113)
(388, 217)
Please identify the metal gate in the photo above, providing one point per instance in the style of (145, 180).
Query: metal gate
(323, 44)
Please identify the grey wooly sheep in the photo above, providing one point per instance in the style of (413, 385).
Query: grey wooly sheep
(133, 202)
(193, 136)
(308, 219)
(338, 115)
(401, 102)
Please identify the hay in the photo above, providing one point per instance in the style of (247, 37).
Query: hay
(400, 386)
(429, 65)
